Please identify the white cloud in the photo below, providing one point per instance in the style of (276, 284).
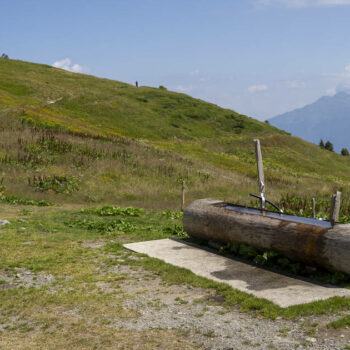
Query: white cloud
(77, 68)
(294, 84)
(345, 74)
(183, 88)
(331, 91)
(257, 88)
(66, 64)
(342, 80)
(194, 73)
(305, 3)
(63, 64)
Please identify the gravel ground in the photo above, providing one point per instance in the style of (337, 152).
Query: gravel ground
(198, 312)
(24, 278)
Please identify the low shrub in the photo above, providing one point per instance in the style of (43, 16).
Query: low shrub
(173, 215)
(275, 260)
(103, 226)
(114, 211)
(176, 230)
(22, 201)
(57, 184)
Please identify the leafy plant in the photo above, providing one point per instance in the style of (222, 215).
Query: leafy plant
(173, 215)
(275, 260)
(118, 225)
(302, 206)
(176, 230)
(58, 184)
(22, 201)
(114, 211)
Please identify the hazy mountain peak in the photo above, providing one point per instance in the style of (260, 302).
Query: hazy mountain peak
(328, 118)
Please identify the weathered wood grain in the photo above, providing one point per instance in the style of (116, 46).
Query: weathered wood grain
(313, 245)
(335, 208)
(260, 168)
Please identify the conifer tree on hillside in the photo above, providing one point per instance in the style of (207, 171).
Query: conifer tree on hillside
(329, 146)
(321, 144)
(344, 152)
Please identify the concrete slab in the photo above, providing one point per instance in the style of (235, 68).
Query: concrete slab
(280, 289)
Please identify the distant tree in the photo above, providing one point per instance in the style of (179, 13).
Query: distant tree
(321, 144)
(267, 122)
(162, 87)
(329, 146)
(4, 56)
(344, 152)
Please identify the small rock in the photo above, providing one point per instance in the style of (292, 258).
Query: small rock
(4, 222)
(93, 245)
(310, 340)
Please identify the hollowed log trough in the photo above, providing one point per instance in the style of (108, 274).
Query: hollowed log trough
(310, 241)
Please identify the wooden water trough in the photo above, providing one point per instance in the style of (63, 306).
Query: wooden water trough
(310, 241)
(313, 242)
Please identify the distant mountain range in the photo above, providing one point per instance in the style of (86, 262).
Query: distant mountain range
(328, 118)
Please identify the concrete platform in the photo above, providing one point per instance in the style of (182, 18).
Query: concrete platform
(280, 289)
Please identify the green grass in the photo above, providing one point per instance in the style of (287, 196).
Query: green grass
(135, 145)
(58, 248)
(23, 201)
(340, 323)
(58, 251)
(84, 154)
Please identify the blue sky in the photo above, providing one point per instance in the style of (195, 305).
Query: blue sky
(258, 57)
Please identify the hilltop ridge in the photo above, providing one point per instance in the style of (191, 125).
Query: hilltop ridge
(153, 126)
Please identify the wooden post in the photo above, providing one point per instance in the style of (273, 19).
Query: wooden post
(183, 195)
(313, 208)
(335, 208)
(260, 168)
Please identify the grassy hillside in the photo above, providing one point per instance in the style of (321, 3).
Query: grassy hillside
(74, 137)
(71, 141)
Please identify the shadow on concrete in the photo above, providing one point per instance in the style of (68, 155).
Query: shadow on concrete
(256, 278)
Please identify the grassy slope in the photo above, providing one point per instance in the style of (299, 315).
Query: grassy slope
(175, 137)
(213, 137)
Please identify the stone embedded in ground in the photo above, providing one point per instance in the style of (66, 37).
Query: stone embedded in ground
(93, 245)
(280, 289)
(24, 278)
(4, 222)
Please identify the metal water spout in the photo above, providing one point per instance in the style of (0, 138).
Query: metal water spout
(261, 179)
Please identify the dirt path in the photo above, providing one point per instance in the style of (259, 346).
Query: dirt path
(199, 312)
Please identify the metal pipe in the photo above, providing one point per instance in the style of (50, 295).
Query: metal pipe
(267, 201)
